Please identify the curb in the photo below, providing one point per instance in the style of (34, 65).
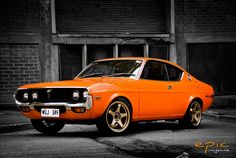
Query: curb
(8, 107)
(214, 115)
(15, 127)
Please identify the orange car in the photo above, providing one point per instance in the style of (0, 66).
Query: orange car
(113, 93)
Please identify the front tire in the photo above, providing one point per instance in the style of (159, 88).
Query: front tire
(116, 118)
(47, 126)
(193, 116)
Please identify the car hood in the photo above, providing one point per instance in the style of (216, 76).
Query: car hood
(83, 82)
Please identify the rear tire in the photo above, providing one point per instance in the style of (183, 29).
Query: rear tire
(193, 116)
(116, 119)
(47, 126)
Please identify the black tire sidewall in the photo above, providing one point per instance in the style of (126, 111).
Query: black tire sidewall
(39, 126)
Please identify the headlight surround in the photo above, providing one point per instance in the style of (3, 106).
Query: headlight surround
(75, 95)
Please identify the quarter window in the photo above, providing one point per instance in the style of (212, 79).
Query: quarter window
(154, 70)
(174, 73)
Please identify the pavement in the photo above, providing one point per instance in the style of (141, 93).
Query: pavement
(11, 119)
(223, 107)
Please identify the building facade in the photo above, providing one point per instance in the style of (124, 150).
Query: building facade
(48, 40)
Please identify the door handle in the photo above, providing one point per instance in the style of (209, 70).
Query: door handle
(169, 87)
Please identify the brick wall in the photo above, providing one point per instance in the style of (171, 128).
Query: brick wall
(19, 65)
(205, 16)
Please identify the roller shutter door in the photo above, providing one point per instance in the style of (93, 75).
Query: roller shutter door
(19, 16)
(110, 16)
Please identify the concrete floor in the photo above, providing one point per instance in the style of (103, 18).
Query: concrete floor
(156, 139)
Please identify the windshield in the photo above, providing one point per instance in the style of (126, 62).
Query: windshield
(113, 68)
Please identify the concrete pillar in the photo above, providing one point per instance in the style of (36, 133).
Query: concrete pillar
(55, 63)
(45, 46)
(84, 56)
(115, 51)
(53, 17)
(181, 49)
(146, 50)
(173, 56)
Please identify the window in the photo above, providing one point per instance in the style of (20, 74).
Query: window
(159, 51)
(95, 52)
(154, 70)
(74, 58)
(174, 73)
(71, 61)
(131, 50)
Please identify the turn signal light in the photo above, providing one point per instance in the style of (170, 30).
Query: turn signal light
(25, 108)
(78, 109)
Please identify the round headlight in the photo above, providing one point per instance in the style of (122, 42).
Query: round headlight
(75, 95)
(35, 96)
(85, 94)
(25, 96)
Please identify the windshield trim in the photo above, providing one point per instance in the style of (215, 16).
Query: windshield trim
(97, 61)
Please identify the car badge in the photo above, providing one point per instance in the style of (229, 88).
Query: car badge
(49, 92)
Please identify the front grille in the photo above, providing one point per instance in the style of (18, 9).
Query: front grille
(62, 109)
(47, 95)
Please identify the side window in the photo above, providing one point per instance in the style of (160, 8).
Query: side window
(154, 70)
(174, 73)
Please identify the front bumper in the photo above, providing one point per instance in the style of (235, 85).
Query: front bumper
(88, 104)
(66, 112)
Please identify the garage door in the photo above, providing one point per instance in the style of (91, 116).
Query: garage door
(110, 16)
(214, 63)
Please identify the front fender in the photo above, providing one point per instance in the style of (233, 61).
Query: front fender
(104, 93)
(102, 100)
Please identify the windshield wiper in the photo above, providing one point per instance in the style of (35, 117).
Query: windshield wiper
(92, 75)
(120, 74)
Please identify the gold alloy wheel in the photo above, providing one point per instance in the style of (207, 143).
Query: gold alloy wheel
(118, 116)
(195, 113)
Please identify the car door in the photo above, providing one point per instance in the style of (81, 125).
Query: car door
(156, 95)
(180, 89)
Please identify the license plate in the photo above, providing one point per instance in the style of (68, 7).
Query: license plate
(50, 112)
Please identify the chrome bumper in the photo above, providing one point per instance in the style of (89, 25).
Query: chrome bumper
(88, 104)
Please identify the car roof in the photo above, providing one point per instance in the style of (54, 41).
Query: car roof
(144, 59)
